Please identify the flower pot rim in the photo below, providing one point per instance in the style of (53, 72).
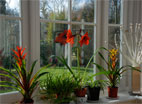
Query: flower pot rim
(112, 87)
(93, 87)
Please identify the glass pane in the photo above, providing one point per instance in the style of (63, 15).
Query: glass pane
(86, 51)
(114, 11)
(83, 10)
(114, 34)
(9, 39)
(10, 7)
(48, 47)
(54, 9)
(111, 36)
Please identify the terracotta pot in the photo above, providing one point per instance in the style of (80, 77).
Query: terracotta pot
(112, 92)
(28, 101)
(80, 92)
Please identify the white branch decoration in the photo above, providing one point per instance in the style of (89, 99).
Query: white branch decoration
(132, 42)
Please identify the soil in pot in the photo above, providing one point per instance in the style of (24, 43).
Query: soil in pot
(112, 92)
(93, 93)
(81, 92)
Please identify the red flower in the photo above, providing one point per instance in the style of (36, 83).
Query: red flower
(84, 39)
(61, 38)
(19, 56)
(70, 37)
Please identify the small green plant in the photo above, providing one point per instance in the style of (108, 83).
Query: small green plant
(91, 82)
(59, 88)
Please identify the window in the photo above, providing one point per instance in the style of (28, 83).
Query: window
(10, 35)
(114, 23)
(59, 15)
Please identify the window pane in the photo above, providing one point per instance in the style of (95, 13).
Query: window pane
(48, 47)
(114, 11)
(9, 39)
(114, 32)
(83, 10)
(54, 9)
(111, 36)
(86, 51)
(10, 7)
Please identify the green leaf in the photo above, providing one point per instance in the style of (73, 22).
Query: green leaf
(103, 58)
(63, 61)
(12, 75)
(101, 48)
(8, 82)
(31, 71)
(13, 88)
(99, 67)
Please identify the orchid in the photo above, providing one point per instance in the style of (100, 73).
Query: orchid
(132, 42)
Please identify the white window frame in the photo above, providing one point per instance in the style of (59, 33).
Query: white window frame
(69, 22)
(12, 96)
(31, 33)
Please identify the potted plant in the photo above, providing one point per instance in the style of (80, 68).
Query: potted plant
(67, 37)
(93, 88)
(58, 88)
(23, 82)
(113, 73)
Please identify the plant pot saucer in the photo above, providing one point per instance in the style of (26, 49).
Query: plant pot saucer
(112, 98)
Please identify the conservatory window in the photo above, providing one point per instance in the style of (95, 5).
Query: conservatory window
(10, 35)
(59, 15)
(114, 23)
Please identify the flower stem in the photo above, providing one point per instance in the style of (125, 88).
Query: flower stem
(78, 54)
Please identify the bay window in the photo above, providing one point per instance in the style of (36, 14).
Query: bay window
(35, 24)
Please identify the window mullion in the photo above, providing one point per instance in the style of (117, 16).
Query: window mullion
(69, 27)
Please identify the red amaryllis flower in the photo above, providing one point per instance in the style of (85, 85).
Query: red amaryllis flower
(84, 39)
(70, 37)
(19, 56)
(61, 38)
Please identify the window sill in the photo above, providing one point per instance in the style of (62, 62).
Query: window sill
(123, 98)
(8, 98)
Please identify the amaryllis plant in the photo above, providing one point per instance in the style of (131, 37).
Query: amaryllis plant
(24, 81)
(68, 37)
